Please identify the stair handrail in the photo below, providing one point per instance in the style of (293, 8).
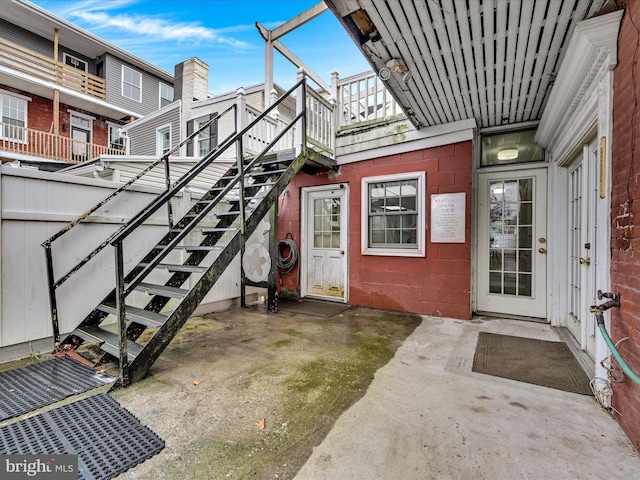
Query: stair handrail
(144, 214)
(133, 283)
(54, 284)
(122, 289)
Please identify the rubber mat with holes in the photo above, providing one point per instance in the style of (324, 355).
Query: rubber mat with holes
(107, 438)
(28, 388)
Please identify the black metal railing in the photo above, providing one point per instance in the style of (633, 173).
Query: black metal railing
(124, 286)
(54, 283)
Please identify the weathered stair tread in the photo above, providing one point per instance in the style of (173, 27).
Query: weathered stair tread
(162, 290)
(107, 341)
(138, 315)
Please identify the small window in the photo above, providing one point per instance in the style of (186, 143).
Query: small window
(510, 147)
(204, 142)
(116, 142)
(14, 118)
(393, 216)
(74, 62)
(163, 140)
(131, 84)
(166, 95)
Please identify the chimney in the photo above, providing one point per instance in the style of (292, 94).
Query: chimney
(191, 81)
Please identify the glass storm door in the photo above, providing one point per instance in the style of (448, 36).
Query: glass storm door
(583, 191)
(326, 244)
(512, 243)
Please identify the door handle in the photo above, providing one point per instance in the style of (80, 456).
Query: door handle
(341, 252)
(542, 250)
(585, 261)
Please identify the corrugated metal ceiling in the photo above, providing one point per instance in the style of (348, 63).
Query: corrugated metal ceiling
(492, 60)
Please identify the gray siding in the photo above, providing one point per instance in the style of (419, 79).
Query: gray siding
(143, 137)
(150, 87)
(40, 45)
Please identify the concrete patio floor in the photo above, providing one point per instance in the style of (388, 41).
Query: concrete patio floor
(423, 415)
(428, 416)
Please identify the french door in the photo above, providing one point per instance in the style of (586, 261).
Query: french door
(512, 245)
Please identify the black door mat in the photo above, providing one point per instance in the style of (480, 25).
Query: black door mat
(540, 362)
(29, 388)
(312, 308)
(107, 438)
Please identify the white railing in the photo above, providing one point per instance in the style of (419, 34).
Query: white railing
(321, 131)
(363, 98)
(36, 143)
(263, 132)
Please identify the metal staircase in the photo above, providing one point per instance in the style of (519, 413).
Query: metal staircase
(193, 253)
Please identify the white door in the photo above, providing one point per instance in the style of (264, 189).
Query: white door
(512, 245)
(325, 243)
(583, 191)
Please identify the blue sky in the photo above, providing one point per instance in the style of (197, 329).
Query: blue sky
(221, 33)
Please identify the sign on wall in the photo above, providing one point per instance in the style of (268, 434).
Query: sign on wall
(448, 217)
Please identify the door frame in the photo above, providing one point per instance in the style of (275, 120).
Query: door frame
(515, 170)
(305, 240)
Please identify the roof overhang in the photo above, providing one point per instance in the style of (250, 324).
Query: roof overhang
(446, 61)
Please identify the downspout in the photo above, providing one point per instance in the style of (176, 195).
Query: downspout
(598, 311)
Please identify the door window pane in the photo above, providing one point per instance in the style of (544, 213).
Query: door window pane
(510, 237)
(326, 223)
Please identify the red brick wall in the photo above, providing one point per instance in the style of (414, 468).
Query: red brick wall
(438, 284)
(625, 212)
(40, 117)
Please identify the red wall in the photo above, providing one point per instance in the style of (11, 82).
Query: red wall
(438, 284)
(40, 117)
(625, 209)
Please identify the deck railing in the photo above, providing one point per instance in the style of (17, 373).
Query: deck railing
(27, 61)
(26, 141)
(363, 98)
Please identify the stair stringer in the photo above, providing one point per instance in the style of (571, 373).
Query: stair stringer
(138, 367)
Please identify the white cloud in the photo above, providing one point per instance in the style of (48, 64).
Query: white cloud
(100, 16)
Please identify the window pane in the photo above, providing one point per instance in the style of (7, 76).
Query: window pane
(393, 215)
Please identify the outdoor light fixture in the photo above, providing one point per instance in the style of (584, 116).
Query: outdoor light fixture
(508, 154)
(399, 67)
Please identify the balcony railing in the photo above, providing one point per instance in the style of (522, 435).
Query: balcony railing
(27, 61)
(36, 143)
(364, 98)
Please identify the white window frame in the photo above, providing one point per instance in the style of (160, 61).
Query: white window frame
(24, 100)
(116, 140)
(65, 55)
(169, 101)
(420, 249)
(202, 137)
(134, 86)
(160, 131)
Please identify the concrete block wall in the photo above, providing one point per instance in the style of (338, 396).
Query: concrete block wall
(438, 284)
(625, 214)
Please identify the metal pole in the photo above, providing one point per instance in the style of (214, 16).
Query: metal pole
(52, 297)
(167, 178)
(122, 315)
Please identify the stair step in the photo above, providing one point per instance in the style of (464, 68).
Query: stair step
(107, 341)
(179, 268)
(199, 248)
(162, 290)
(137, 315)
(233, 212)
(218, 229)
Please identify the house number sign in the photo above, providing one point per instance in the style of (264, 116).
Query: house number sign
(448, 217)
